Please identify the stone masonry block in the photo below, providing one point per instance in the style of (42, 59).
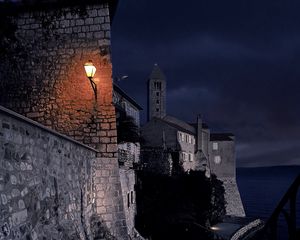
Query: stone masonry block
(112, 148)
(105, 140)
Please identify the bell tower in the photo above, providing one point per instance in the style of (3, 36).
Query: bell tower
(156, 94)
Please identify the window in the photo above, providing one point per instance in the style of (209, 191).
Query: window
(157, 94)
(157, 101)
(128, 200)
(179, 136)
(191, 157)
(187, 138)
(157, 85)
(217, 159)
(184, 156)
(215, 146)
(157, 109)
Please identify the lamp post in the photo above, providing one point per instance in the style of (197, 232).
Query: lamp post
(90, 71)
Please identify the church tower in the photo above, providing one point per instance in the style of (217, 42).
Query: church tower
(156, 94)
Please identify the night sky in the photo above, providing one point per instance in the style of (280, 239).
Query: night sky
(237, 63)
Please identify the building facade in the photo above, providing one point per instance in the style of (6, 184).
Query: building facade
(128, 154)
(222, 163)
(172, 145)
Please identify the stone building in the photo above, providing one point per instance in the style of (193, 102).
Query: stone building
(180, 140)
(156, 94)
(222, 164)
(128, 154)
(172, 145)
(62, 168)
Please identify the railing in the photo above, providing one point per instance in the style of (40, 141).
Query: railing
(287, 207)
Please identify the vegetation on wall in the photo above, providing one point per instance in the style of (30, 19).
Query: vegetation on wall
(178, 207)
(128, 131)
(99, 229)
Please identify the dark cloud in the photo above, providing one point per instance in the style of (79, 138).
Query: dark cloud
(236, 62)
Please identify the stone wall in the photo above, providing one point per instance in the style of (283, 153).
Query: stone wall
(42, 77)
(234, 205)
(128, 178)
(51, 184)
(46, 183)
(225, 170)
(42, 74)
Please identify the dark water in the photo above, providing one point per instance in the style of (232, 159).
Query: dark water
(262, 189)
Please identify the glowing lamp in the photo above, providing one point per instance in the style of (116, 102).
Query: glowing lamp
(90, 71)
(214, 228)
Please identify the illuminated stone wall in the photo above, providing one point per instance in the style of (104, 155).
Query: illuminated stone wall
(43, 78)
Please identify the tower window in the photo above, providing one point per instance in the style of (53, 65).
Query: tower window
(157, 109)
(157, 94)
(157, 101)
(157, 85)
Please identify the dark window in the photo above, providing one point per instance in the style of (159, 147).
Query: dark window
(132, 200)
(157, 85)
(157, 101)
(157, 109)
(128, 200)
(157, 94)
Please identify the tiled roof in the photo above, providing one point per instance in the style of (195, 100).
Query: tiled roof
(178, 124)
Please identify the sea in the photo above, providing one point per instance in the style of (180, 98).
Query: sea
(262, 189)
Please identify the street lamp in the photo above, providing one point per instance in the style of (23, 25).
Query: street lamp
(90, 71)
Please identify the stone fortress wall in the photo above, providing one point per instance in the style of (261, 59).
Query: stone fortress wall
(46, 183)
(42, 74)
(42, 78)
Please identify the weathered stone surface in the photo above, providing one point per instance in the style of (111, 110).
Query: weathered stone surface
(52, 183)
(234, 205)
(50, 87)
(36, 191)
(128, 192)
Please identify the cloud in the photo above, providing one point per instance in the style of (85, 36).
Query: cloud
(236, 63)
(268, 153)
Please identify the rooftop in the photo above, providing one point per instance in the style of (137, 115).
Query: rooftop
(178, 124)
(157, 73)
(221, 137)
(128, 98)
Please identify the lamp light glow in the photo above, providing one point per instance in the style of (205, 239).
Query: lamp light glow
(90, 69)
(214, 228)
